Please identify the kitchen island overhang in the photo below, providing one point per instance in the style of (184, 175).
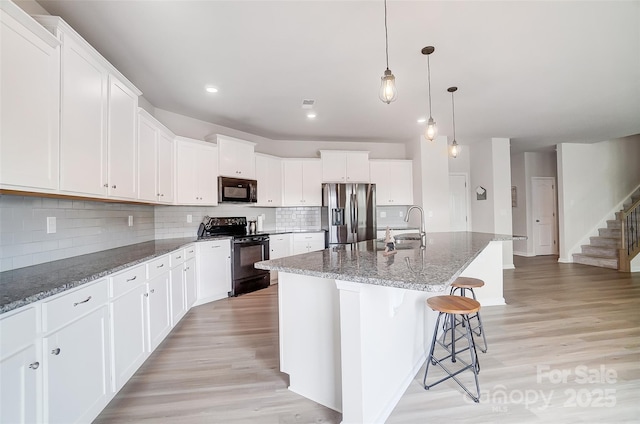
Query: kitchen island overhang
(354, 327)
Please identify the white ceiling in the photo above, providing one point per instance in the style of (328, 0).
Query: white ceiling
(540, 72)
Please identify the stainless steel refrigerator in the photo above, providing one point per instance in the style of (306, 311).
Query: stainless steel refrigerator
(349, 212)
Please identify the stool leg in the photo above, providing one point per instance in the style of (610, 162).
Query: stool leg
(430, 357)
(480, 327)
(475, 366)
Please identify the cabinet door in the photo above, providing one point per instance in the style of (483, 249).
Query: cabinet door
(401, 182)
(292, 183)
(380, 177)
(190, 282)
(177, 295)
(214, 270)
(77, 370)
(186, 173)
(206, 166)
(30, 105)
(165, 168)
(275, 182)
(147, 160)
(227, 158)
(19, 387)
(245, 162)
(158, 312)
(333, 166)
(128, 334)
(123, 110)
(280, 246)
(262, 176)
(83, 122)
(312, 183)
(357, 167)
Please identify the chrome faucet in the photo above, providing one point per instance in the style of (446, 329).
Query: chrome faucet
(423, 234)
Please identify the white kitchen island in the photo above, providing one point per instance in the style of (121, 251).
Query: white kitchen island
(354, 326)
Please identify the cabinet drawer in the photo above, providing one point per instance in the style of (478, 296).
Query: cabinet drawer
(315, 237)
(126, 280)
(17, 330)
(190, 252)
(68, 307)
(177, 257)
(157, 266)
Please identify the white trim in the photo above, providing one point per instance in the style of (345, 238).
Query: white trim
(525, 254)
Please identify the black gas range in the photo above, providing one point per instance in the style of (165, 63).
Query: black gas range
(247, 249)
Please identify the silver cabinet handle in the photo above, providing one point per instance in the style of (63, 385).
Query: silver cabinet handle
(178, 257)
(190, 251)
(34, 365)
(215, 247)
(105, 185)
(146, 295)
(160, 266)
(56, 351)
(131, 279)
(113, 186)
(84, 301)
(153, 290)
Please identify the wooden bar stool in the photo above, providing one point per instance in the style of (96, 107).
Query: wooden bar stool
(467, 283)
(453, 307)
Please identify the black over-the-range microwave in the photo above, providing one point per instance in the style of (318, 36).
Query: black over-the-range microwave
(237, 190)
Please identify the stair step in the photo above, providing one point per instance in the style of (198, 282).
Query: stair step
(606, 232)
(613, 224)
(602, 251)
(604, 241)
(598, 261)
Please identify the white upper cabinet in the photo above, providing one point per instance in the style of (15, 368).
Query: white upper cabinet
(345, 166)
(98, 120)
(29, 101)
(123, 110)
(269, 176)
(394, 181)
(155, 160)
(236, 158)
(196, 172)
(302, 182)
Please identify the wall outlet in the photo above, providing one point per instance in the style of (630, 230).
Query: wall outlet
(430, 214)
(383, 214)
(401, 214)
(189, 218)
(130, 221)
(51, 224)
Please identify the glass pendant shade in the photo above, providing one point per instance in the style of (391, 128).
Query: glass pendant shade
(455, 149)
(432, 130)
(388, 92)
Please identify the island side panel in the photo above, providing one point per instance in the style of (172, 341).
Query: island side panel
(487, 266)
(385, 333)
(309, 313)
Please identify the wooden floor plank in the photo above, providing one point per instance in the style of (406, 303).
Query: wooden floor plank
(220, 364)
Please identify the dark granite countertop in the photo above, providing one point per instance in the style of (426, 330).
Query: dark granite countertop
(23, 286)
(432, 269)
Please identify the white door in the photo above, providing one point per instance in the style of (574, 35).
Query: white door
(543, 199)
(458, 202)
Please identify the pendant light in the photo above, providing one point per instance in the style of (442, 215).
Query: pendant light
(388, 92)
(431, 130)
(455, 149)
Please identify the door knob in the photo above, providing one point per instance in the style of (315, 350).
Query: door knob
(537, 220)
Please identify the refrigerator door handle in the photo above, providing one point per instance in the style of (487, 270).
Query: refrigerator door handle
(354, 213)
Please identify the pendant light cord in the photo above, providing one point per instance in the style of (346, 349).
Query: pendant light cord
(453, 108)
(429, 80)
(386, 37)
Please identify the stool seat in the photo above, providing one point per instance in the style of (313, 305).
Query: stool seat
(457, 305)
(467, 283)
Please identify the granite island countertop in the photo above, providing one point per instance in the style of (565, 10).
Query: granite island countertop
(23, 286)
(431, 269)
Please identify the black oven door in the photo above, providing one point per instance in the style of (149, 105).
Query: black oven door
(246, 252)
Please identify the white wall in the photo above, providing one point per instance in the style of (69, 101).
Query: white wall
(435, 184)
(201, 130)
(593, 181)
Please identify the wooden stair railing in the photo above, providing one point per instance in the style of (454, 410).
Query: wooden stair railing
(630, 244)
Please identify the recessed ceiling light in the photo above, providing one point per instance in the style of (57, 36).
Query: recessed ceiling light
(211, 89)
(311, 115)
(422, 120)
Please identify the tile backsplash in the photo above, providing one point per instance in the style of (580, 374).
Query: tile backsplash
(84, 226)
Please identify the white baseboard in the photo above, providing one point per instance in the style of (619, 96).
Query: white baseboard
(508, 266)
(525, 254)
(565, 260)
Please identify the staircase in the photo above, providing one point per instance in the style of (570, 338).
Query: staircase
(603, 250)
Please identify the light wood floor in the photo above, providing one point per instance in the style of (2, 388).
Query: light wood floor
(220, 364)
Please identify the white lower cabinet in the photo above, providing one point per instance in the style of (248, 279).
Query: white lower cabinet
(214, 270)
(190, 282)
(20, 369)
(76, 370)
(308, 242)
(158, 313)
(76, 366)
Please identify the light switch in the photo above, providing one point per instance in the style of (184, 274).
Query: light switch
(130, 222)
(189, 218)
(51, 224)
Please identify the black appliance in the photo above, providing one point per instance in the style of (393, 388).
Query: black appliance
(246, 250)
(237, 190)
